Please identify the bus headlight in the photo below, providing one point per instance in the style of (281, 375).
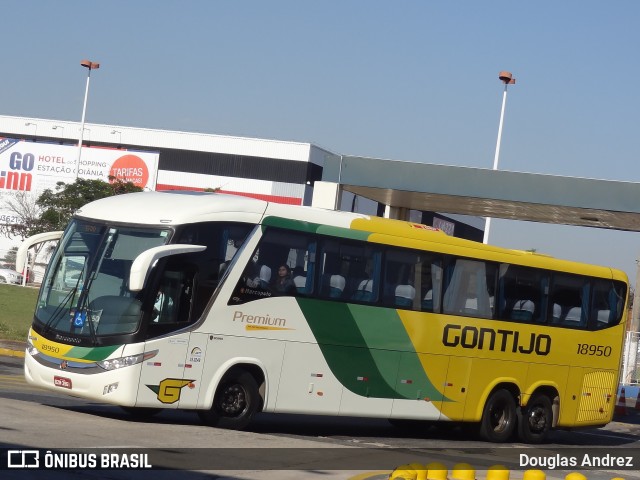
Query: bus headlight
(121, 362)
(31, 350)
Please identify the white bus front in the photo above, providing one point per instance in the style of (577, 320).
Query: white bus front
(117, 305)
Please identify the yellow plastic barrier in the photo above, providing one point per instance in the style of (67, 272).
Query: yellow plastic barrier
(498, 472)
(463, 471)
(412, 471)
(575, 476)
(534, 475)
(436, 471)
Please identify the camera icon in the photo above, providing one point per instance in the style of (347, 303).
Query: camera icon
(23, 459)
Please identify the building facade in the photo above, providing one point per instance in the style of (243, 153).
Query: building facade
(272, 170)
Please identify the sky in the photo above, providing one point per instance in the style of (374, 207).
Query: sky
(413, 80)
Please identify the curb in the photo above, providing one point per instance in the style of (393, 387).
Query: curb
(6, 352)
(12, 348)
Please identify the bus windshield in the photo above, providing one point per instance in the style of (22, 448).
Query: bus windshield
(85, 290)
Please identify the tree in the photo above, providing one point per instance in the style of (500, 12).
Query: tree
(10, 256)
(58, 207)
(26, 215)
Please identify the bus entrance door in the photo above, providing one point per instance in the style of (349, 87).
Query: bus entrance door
(168, 375)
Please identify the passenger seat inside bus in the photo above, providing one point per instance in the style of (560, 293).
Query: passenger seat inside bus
(364, 293)
(300, 280)
(404, 295)
(522, 311)
(265, 277)
(336, 286)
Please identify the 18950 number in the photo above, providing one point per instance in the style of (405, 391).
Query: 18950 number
(594, 350)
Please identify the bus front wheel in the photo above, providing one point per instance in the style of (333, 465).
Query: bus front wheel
(535, 419)
(498, 417)
(235, 402)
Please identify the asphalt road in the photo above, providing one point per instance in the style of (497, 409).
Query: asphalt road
(277, 446)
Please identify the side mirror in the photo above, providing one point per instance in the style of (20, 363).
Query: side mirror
(143, 262)
(22, 253)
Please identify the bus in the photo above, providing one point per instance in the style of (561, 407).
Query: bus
(230, 306)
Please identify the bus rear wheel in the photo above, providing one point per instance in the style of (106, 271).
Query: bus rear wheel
(535, 419)
(498, 417)
(235, 402)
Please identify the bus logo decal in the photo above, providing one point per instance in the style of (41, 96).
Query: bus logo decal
(491, 339)
(260, 322)
(168, 391)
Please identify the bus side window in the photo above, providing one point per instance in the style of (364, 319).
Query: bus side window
(569, 300)
(607, 300)
(470, 288)
(521, 296)
(349, 270)
(283, 264)
(172, 305)
(412, 280)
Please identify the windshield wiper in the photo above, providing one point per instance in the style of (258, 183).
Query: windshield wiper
(60, 309)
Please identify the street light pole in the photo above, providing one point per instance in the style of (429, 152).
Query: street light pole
(60, 127)
(31, 124)
(113, 132)
(507, 79)
(89, 65)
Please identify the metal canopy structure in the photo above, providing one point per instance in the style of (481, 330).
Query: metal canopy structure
(489, 193)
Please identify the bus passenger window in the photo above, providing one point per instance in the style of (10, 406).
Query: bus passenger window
(470, 286)
(282, 264)
(173, 306)
(349, 270)
(522, 296)
(607, 300)
(569, 300)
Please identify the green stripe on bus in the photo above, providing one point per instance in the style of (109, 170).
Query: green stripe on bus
(95, 354)
(310, 227)
(366, 347)
(343, 232)
(289, 224)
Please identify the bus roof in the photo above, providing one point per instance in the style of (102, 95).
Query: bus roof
(179, 207)
(171, 208)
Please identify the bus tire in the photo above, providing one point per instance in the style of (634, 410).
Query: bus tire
(499, 417)
(535, 419)
(235, 403)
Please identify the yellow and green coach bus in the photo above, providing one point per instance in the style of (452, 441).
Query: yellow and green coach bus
(231, 306)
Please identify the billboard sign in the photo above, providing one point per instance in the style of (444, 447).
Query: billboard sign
(34, 167)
